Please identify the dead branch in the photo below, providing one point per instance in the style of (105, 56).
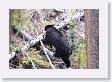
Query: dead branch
(45, 51)
(29, 58)
(28, 45)
(21, 33)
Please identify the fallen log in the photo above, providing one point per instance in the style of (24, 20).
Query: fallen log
(21, 33)
(31, 42)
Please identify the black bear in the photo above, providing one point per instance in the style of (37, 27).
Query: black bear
(55, 38)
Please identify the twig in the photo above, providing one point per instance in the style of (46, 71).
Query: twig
(13, 65)
(29, 19)
(45, 51)
(11, 46)
(29, 58)
(22, 50)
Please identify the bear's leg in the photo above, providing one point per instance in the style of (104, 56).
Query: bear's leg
(66, 61)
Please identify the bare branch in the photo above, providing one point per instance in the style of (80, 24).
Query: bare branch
(28, 45)
(29, 58)
(45, 51)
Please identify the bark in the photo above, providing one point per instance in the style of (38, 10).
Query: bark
(92, 37)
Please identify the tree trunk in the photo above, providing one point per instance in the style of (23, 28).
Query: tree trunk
(92, 37)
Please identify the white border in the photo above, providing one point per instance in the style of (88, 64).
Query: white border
(102, 72)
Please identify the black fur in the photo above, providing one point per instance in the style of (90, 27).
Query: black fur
(56, 38)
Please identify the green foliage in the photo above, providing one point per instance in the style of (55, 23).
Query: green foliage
(78, 47)
(18, 17)
(39, 61)
(15, 17)
(72, 24)
(18, 49)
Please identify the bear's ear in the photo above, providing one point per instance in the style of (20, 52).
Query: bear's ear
(48, 26)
